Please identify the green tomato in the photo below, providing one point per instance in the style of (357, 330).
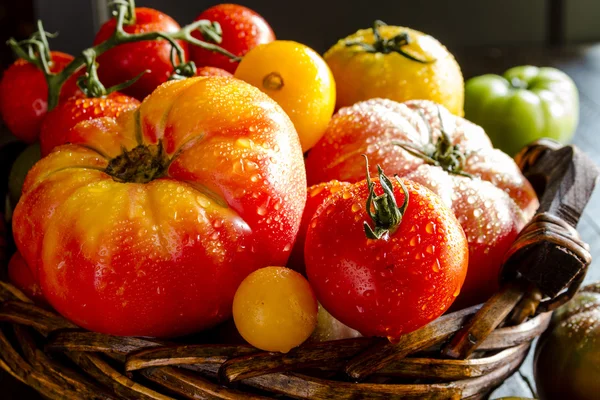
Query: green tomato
(567, 356)
(525, 104)
(19, 170)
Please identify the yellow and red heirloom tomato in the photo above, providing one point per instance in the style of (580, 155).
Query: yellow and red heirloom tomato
(275, 309)
(482, 185)
(146, 224)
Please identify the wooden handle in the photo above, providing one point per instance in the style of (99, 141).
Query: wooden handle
(548, 258)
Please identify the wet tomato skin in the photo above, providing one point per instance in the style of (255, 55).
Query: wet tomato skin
(21, 276)
(164, 257)
(24, 95)
(316, 196)
(243, 29)
(63, 118)
(492, 205)
(393, 285)
(128, 60)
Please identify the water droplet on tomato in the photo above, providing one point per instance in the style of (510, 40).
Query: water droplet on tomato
(360, 309)
(218, 223)
(430, 227)
(477, 213)
(356, 207)
(346, 195)
(255, 178)
(430, 249)
(436, 265)
(316, 191)
(261, 210)
(415, 240)
(456, 292)
(287, 247)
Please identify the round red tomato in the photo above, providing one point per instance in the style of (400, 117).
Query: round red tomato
(24, 95)
(316, 196)
(62, 119)
(212, 71)
(483, 186)
(145, 225)
(127, 61)
(243, 29)
(389, 271)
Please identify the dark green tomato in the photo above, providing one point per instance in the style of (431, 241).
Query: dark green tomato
(567, 356)
(18, 172)
(525, 104)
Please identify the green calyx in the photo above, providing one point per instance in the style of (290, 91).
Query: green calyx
(386, 46)
(141, 164)
(441, 153)
(36, 50)
(383, 210)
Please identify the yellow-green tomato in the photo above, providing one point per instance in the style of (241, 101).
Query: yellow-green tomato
(275, 309)
(523, 105)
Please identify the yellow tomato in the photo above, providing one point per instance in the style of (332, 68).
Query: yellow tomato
(395, 63)
(297, 78)
(275, 309)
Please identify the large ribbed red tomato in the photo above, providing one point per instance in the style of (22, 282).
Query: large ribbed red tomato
(243, 29)
(59, 121)
(127, 61)
(391, 270)
(483, 186)
(24, 95)
(146, 224)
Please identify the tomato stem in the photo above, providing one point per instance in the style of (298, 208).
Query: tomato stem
(141, 164)
(383, 210)
(442, 153)
(36, 50)
(386, 46)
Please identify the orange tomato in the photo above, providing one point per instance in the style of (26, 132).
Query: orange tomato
(297, 78)
(145, 225)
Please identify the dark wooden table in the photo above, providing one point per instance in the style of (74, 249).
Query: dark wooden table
(583, 65)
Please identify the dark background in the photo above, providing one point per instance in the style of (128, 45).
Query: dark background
(458, 24)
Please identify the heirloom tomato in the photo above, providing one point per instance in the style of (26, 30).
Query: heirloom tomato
(297, 78)
(242, 30)
(422, 141)
(65, 116)
(275, 309)
(126, 61)
(385, 257)
(316, 196)
(146, 224)
(524, 104)
(567, 356)
(395, 63)
(24, 95)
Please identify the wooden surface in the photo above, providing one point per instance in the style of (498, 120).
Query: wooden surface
(583, 65)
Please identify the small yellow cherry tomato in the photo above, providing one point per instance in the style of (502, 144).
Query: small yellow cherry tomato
(275, 309)
(297, 78)
(397, 63)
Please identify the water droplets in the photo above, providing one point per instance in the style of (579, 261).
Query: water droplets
(415, 240)
(287, 247)
(436, 265)
(477, 213)
(430, 227)
(262, 210)
(430, 249)
(255, 178)
(346, 195)
(471, 199)
(456, 292)
(356, 207)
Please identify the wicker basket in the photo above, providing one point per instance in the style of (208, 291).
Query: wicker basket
(460, 355)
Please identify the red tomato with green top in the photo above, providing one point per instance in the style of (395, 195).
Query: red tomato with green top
(58, 122)
(422, 141)
(145, 225)
(126, 61)
(243, 29)
(24, 95)
(316, 196)
(393, 269)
